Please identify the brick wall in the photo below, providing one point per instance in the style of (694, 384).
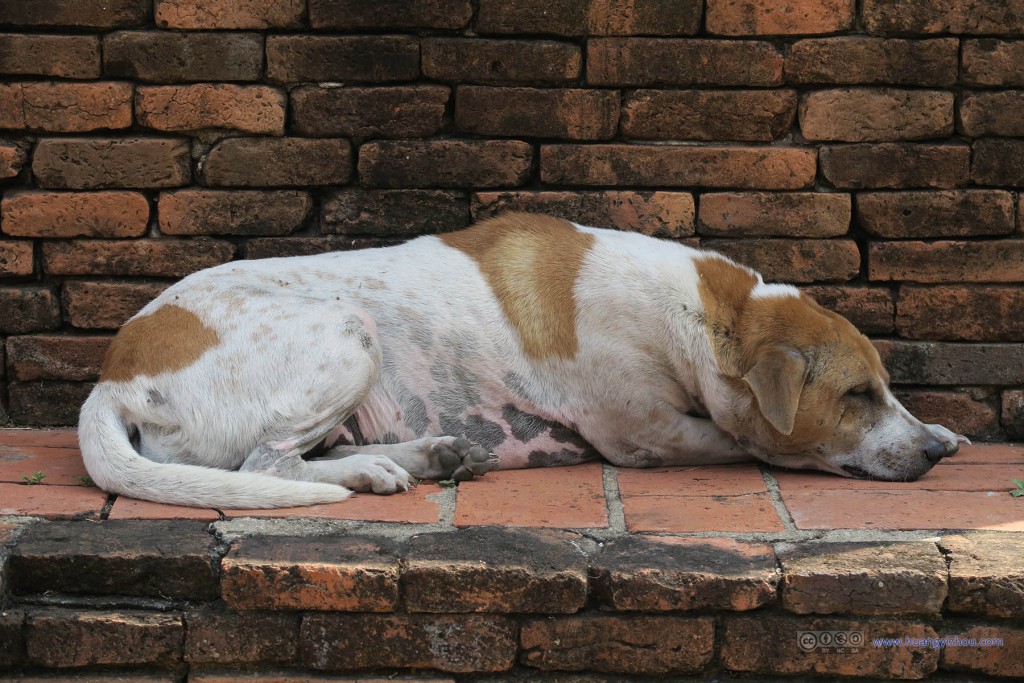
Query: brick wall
(870, 151)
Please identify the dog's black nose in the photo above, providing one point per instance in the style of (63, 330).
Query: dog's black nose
(937, 450)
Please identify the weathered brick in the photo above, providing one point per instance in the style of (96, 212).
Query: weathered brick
(991, 62)
(765, 168)
(106, 305)
(618, 644)
(34, 213)
(28, 309)
(59, 638)
(863, 578)
(55, 357)
(788, 17)
(46, 403)
(1012, 415)
(955, 364)
(394, 112)
(895, 165)
(770, 645)
(203, 106)
(849, 60)
(165, 56)
(65, 107)
(871, 309)
(661, 214)
(803, 260)
(491, 569)
(765, 214)
(998, 162)
(393, 213)
(330, 573)
(957, 313)
(992, 113)
(473, 643)
(392, 14)
(876, 114)
(152, 558)
(445, 163)
(572, 114)
(479, 60)
(144, 257)
(374, 59)
(956, 213)
(96, 163)
(15, 258)
(276, 247)
(936, 262)
(944, 16)
(277, 162)
(232, 212)
(222, 14)
(708, 114)
(972, 414)
(220, 636)
(589, 17)
(12, 639)
(666, 574)
(47, 55)
(12, 159)
(987, 659)
(81, 14)
(668, 61)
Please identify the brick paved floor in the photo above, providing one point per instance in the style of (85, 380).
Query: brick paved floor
(969, 491)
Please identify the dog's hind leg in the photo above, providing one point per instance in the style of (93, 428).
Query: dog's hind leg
(435, 457)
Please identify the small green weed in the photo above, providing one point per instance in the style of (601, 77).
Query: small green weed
(35, 479)
(1019, 491)
(85, 480)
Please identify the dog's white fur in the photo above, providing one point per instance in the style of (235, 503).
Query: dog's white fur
(415, 343)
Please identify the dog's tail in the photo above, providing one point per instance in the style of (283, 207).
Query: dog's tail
(116, 467)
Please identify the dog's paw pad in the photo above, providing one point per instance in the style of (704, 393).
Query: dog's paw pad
(462, 459)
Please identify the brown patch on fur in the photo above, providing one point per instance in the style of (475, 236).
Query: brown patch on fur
(724, 289)
(168, 339)
(531, 263)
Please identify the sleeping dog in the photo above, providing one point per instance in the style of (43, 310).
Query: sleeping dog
(523, 341)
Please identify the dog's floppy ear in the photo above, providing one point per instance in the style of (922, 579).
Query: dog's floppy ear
(777, 379)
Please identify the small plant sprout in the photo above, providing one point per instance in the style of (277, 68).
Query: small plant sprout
(34, 479)
(1019, 491)
(85, 480)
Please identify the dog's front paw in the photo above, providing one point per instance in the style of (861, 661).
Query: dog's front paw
(374, 473)
(461, 459)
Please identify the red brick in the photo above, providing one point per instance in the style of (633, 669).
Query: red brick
(788, 17)
(373, 59)
(393, 213)
(960, 213)
(277, 162)
(618, 644)
(55, 357)
(766, 168)
(74, 214)
(96, 163)
(456, 643)
(876, 114)
(355, 14)
(12, 158)
(46, 55)
(668, 61)
(998, 162)
(58, 638)
(961, 313)
(991, 62)
(418, 506)
(65, 107)
(994, 660)
(51, 502)
(661, 214)
(849, 60)
(144, 257)
(992, 113)
(248, 108)
(47, 403)
(15, 258)
(589, 17)
(571, 114)
(895, 165)
(394, 112)
(164, 56)
(943, 16)
(106, 305)
(963, 412)
(760, 115)
(228, 637)
(766, 214)
(804, 260)
(232, 212)
(937, 262)
(276, 247)
(871, 309)
(81, 14)
(221, 14)
(957, 364)
(445, 163)
(477, 60)
(1012, 417)
(28, 309)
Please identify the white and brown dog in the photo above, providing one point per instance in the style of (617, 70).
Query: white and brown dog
(523, 341)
